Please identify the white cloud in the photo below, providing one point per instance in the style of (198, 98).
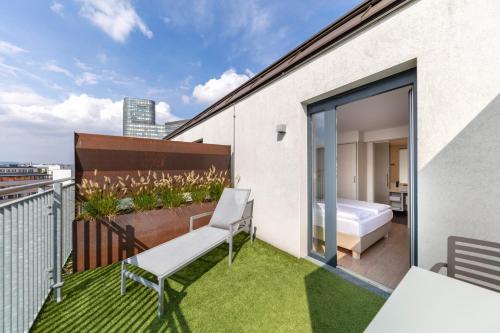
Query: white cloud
(43, 132)
(77, 112)
(87, 78)
(185, 99)
(57, 8)
(22, 96)
(10, 49)
(214, 89)
(38, 129)
(117, 18)
(51, 67)
(163, 113)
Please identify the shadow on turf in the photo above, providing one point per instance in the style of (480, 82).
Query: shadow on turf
(338, 302)
(134, 310)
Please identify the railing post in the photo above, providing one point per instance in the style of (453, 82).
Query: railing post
(57, 205)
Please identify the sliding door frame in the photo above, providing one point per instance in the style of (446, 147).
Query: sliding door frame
(329, 105)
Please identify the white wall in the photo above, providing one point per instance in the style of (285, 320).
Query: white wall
(348, 137)
(455, 46)
(370, 172)
(362, 172)
(365, 160)
(385, 134)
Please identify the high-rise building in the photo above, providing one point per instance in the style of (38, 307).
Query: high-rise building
(139, 120)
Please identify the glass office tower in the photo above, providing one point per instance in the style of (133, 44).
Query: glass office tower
(139, 119)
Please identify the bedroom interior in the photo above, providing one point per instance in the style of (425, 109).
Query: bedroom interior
(372, 187)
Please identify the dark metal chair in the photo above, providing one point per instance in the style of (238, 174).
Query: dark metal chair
(474, 261)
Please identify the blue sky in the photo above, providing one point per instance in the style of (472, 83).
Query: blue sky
(66, 65)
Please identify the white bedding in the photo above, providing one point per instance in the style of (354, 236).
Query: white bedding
(355, 220)
(352, 213)
(375, 208)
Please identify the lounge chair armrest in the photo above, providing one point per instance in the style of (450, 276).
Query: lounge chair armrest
(437, 267)
(198, 216)
(241, 220)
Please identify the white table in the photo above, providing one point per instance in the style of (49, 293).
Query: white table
(425, 301)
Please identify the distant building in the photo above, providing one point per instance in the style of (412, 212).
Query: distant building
(50, 169)
(139, 120)
(16, 175)
(173, 125)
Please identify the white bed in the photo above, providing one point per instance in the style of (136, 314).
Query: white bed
(359, 223)
(365, 226)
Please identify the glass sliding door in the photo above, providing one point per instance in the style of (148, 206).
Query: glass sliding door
(318, 183)
(322, 150)
(322, 167)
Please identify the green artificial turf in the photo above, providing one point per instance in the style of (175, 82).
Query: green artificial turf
(265, 290)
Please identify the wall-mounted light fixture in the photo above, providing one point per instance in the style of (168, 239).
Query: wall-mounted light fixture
(281, 129)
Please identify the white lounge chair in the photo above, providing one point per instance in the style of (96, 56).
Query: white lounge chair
(232, 215)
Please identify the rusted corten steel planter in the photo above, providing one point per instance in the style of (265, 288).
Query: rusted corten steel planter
(102, 242)
(118, 156)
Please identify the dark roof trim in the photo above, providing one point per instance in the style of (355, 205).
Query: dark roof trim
(366, 12)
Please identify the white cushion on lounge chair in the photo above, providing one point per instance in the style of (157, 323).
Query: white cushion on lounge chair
(166, 258)
(230, 207)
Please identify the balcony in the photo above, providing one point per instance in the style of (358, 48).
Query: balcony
(264, 290)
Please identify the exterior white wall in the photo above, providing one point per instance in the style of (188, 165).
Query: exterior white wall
(455, 47)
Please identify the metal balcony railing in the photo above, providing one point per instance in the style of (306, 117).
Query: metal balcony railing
(35, 242)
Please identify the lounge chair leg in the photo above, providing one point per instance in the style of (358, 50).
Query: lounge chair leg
(123, 287)
(160, 297)
(251, 230)
(230, 241)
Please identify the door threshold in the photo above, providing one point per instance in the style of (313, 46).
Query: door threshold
(367, 280)
(354, 278)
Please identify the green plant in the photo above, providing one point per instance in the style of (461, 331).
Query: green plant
(170, 190)
(196, 187)
(100, 201)
(149, 192)
(199, 193)
(216, 182)
(143, 193)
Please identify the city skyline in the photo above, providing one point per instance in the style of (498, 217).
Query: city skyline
(73, 62)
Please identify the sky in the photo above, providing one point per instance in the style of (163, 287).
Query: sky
(65, 66)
